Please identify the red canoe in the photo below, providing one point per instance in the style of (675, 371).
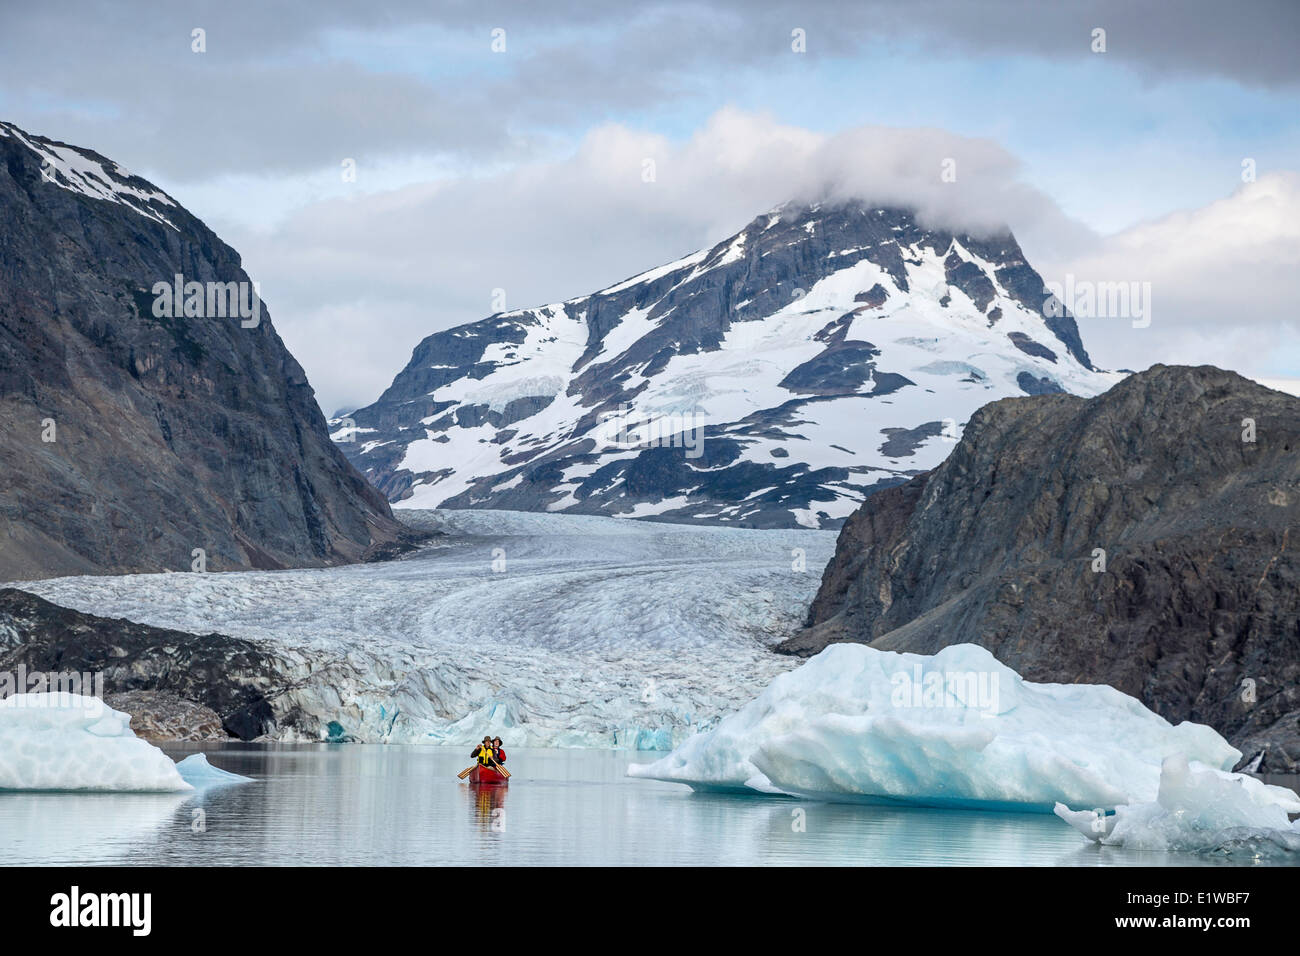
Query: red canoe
(487, 776)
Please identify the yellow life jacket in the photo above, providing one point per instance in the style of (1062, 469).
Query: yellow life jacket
(484, 754)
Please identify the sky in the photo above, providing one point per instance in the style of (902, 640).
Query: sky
(501, 150)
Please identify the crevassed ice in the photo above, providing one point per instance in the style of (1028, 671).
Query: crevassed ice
(550, 630)
(65, 741)
(956, 729)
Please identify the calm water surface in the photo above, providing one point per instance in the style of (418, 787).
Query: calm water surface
(324, 805)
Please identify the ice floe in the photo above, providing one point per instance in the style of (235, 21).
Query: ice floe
(70, 742)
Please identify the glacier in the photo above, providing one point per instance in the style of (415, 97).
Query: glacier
(957, 729)
(551, 630)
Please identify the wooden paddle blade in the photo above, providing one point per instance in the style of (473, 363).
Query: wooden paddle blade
(465, 773)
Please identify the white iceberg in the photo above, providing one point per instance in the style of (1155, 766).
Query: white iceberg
(957, 729)
(62, 741)
(201, 775)
(1197, 808)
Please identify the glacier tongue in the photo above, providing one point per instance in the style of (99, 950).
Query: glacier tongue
(958, 729)
(551, 630)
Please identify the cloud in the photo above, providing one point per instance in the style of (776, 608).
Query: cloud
(1250, 42)
(1224, 283)
(500, 199)
(355, 283)
(293, 85)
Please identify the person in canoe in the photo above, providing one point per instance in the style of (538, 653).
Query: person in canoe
(489, 764)
(489, 759)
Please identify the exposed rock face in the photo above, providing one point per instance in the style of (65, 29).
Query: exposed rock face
(794, 352)
(156, 715)
(172, 682)
(129, 439)
(1197, 610)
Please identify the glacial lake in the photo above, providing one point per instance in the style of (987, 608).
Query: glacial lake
(362, 805)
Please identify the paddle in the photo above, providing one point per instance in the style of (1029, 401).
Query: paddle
(504, 772)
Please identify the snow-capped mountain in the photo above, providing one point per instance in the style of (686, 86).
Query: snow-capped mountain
(774, 379)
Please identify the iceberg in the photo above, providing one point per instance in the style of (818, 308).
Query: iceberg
(68, 742)
(957, 729)
(201, 775)
(1197, 808)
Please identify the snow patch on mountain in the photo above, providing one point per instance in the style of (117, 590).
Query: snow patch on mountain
(819, 354)
(85, 172)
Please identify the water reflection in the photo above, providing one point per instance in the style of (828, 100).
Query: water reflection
(366, 805)
(488, 803)
(84, 828)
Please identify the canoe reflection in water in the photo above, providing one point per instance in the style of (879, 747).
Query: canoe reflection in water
(489, 804)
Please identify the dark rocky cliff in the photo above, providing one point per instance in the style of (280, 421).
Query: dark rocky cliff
(147, 671)
(169, 433)
(1197, 610)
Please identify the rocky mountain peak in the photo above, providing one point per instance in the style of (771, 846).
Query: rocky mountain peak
(772, 379)
(1144, 538)
(152, 417)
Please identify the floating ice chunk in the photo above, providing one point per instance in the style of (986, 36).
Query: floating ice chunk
(1196, 808)
(201, 775)
(958, 729)
(63, 741)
